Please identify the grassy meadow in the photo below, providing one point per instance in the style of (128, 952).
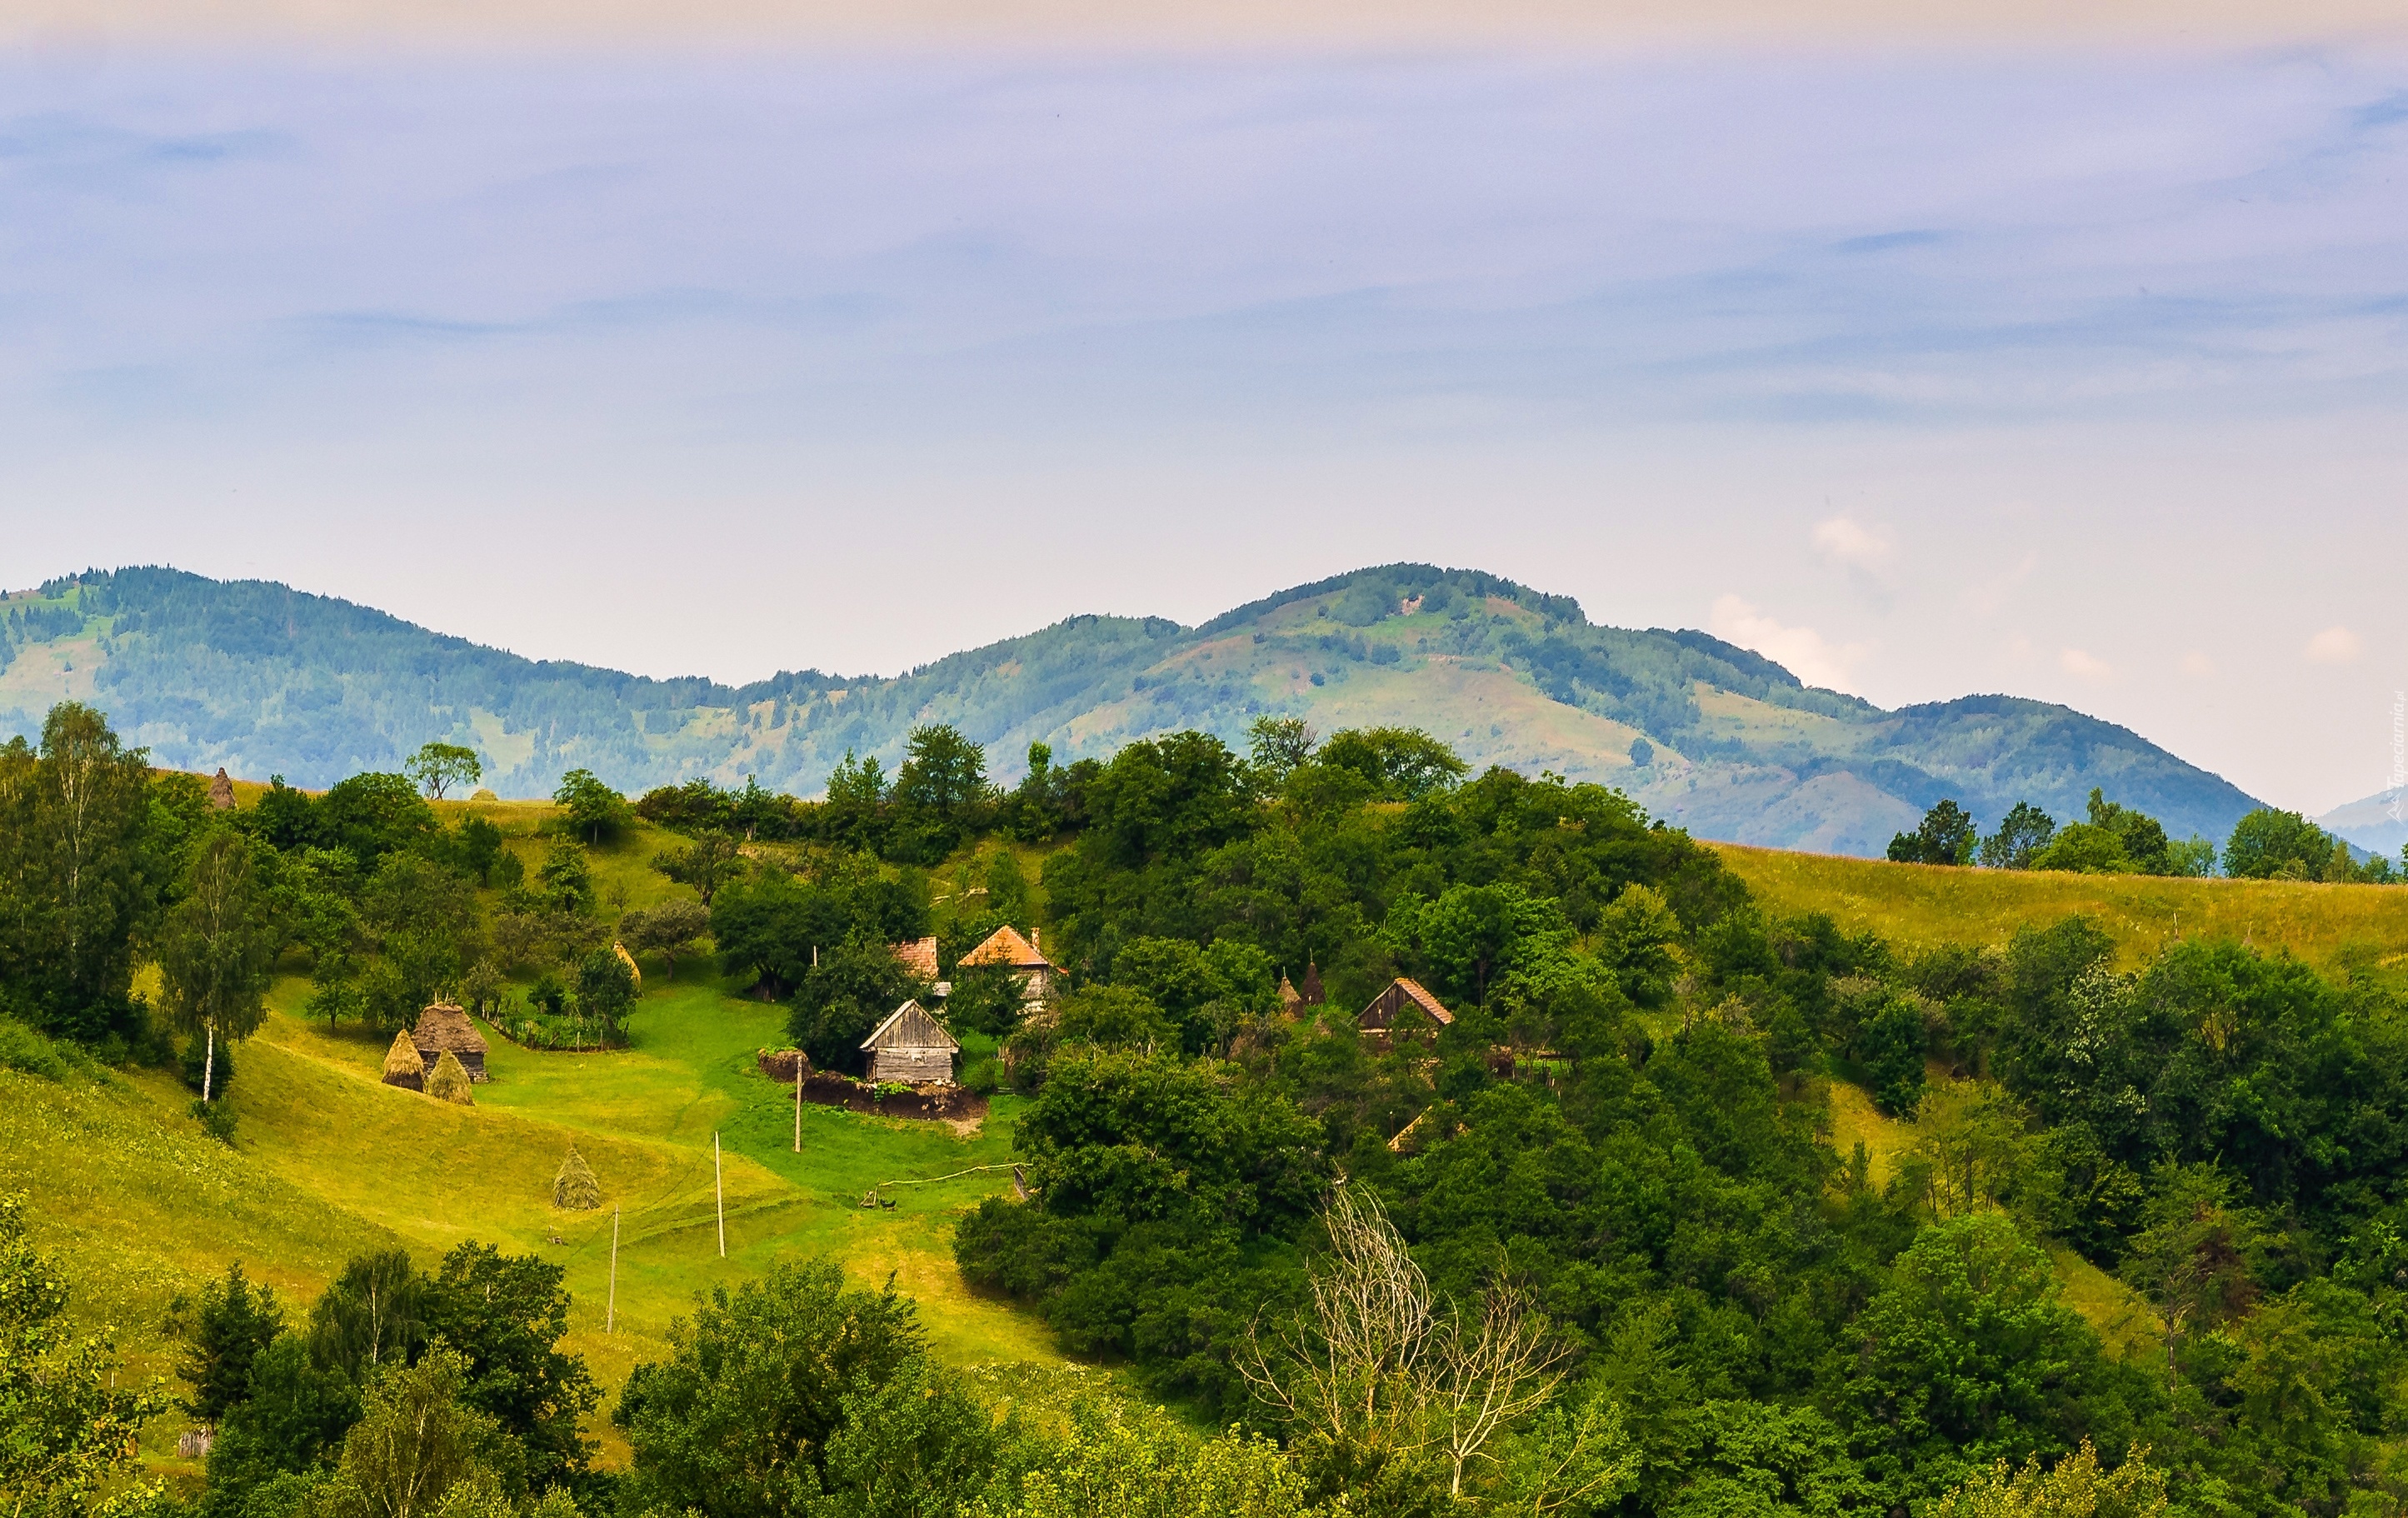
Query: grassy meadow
(328, 1161)
(1915, 906)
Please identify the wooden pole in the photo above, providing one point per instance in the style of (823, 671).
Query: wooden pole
(611, 1315)
(798, 1101)
(718, 1191)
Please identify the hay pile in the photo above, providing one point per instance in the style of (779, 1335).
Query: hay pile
(575, 1188)
(403, 1066)
(449, 1080)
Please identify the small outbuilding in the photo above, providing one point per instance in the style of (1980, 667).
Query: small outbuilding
(1401, 997)
(403, 1066)
(918, 957)
(1006, 947)
(911, 1047)
(444, 1029)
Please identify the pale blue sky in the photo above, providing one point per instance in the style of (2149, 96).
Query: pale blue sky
(2078, 374)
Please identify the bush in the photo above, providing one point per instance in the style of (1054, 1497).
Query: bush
(22, 1049)
(984, 1078)
(215, 1117)
(196, 1055)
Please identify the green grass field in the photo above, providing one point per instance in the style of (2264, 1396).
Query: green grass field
(2331, 926)
(329, 1162)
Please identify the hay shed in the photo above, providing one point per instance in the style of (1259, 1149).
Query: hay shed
(1402, 995)
(575, 1189)
(449, 1081)
(403, 1066)
(444, 1029)
(912, 1047)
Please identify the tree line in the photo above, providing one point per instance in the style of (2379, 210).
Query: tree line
(2267, 844)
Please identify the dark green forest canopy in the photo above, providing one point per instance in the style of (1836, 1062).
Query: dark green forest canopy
(266, 680)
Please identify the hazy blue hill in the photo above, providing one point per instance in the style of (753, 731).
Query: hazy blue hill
(263, 679)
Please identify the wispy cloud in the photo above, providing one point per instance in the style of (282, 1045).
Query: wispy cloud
(2334, 646)
(1804, 651)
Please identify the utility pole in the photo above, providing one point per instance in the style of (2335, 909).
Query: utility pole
(798, 1101)
(720, 1191)
(610, 1316)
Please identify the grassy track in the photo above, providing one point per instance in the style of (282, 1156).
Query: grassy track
(2332, 926)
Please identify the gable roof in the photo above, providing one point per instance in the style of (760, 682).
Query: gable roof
(918, 956)
(1393, 997)
(445, 1029)
(909, 1026)
(1421, 998)
(1004, 946)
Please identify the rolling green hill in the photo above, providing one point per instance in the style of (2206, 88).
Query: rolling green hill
(262, 678)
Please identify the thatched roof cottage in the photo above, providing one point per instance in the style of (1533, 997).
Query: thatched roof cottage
(444, 1029)
(911, 1047)
(403, 1066)
(1402, 995)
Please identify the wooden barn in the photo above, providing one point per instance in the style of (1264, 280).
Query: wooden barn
(1401, 998)
(444, 1029)
(911, 1047)
(1006, 947)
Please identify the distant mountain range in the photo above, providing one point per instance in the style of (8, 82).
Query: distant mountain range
(2378, 824)
(263, 679)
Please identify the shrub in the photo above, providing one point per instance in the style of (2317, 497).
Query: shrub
(215, 1117)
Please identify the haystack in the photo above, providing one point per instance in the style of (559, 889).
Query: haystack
(575, 1188)
(449, 1080)
(629, 960)
(403, 1066)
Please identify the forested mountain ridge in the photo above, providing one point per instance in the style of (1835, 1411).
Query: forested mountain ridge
(263, 678)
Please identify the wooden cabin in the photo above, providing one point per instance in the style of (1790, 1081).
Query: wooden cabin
(1401, 997)
(911, 1047)
(444, 1029)
(1006, 947)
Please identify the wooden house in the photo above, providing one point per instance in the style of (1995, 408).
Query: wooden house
(444, 1029)
(911, 1047)
(1402, 997)
(1006, 947)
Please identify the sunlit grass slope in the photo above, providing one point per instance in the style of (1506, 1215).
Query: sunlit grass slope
(1917, 905)
(329, 1162)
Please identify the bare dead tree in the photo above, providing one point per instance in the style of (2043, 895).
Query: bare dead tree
(1488, 1372)
(1346, 1369)
(1372, 1365)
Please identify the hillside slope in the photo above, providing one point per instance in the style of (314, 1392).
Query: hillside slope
(262, 678)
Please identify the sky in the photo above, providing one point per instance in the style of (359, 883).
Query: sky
(2056, 361)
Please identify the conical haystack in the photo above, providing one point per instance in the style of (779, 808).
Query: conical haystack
(403, 1064)
(575, 1187)
(449, 1080)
